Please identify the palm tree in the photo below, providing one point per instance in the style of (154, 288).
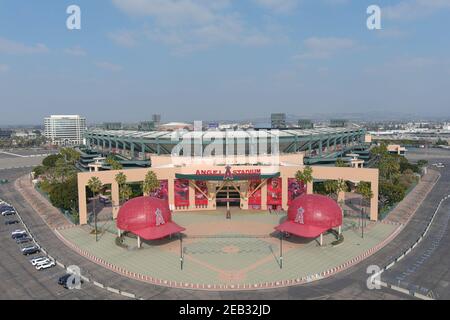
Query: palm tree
(341, 163)
(304, 176)
(113, 163)
(330, 187)
(124, 189)
(150, 183)
(95, 185)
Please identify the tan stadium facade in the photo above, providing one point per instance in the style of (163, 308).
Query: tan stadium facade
(207, 184)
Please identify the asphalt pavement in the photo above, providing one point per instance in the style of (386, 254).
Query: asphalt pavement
(350, 284)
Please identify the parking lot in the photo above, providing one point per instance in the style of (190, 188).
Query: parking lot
(21, 280)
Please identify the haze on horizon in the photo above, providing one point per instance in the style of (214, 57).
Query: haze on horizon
(222, 59)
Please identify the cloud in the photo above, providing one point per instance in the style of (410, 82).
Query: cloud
(190, 25)
(170, 12)
(12, 47)
(278, 6)
(123, 38)
(76, 51)
(4, 68)
(108, 66)
(413, 9)
(324, 48)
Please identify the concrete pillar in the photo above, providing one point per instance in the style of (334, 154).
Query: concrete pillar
(82, 205)
(310, 188)
(341, 197)
(191, 195)
(115, 199)
(264, 196)
(321, 239)
(284, 193)
(139, 242)
(340, 230)
(374, 200)
(119, 233)
(171, 192)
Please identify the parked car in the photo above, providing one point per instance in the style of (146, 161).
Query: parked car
(37, 260)
(8, 213)
(63, 281)
(19, 236)
(30, 250)
(18, 233)
(23, 240)
(43, 261)
(45, 266)
(6, 208)
(10, 222)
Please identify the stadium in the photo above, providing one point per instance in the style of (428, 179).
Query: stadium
(229, 209)
(202, 171)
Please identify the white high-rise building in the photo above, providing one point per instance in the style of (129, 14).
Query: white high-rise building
(65, 129)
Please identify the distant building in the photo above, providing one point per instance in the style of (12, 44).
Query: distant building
(5, 134)
(146, 126)
(65, 129)
(173, 126)
(112, 125)
(338, 123)
(156, 118)
(278, 120)
(305, 124)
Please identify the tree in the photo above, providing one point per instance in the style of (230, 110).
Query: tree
(379, 151)
(305, 176)
(150, 184)
(50, 161)
(124, 189)
(64, 195)
(341, 163)
(113, 163)
(422, 163)
(70, 155)
(95, 185)
(64, 170)
(389, 167)
(331, 187)
(365, 190)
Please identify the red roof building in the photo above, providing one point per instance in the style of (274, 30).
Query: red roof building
(311, 215)
(149, 218)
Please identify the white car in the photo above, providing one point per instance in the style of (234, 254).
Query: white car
(16, 232)
(44, 266)
(440, 166)
(8, 213)
(39, 260)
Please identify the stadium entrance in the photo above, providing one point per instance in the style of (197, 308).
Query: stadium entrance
(228, 196)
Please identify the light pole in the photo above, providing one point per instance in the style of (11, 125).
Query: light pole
(281, 249)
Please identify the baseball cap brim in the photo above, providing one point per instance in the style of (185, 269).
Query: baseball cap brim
(159, 232)
(301, 230)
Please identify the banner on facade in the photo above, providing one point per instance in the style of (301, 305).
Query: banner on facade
(274, 192)
(254, 198)
(181, 192)
(201, 197)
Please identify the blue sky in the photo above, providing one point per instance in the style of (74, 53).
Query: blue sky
(222, 59)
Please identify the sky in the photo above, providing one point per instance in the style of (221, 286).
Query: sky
(222, 59)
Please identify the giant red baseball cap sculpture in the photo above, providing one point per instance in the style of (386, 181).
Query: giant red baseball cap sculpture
(148, 217)
(311, 215)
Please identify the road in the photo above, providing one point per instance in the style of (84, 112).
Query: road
(350, 284)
